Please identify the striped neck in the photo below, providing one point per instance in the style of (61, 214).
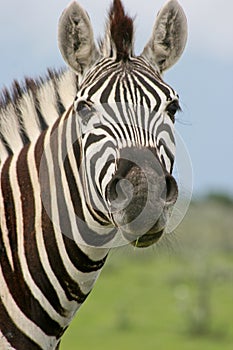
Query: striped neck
(38, 237)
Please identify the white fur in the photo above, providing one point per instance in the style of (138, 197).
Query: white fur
(46, 95)
(29, 116)
(23, 323)
(67, 88)
(66, 304)
(4, 345)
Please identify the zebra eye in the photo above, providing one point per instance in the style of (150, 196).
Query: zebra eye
(85, 110)
(172, 109)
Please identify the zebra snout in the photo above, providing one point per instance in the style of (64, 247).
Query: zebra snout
(140, 195)
(120, 193)
(134, 191)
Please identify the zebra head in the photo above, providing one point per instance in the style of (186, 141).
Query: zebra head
(126, 113)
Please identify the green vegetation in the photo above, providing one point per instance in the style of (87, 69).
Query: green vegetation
(178, 295)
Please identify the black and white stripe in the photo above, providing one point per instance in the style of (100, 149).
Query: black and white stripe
(27, 110)
(61, 145)
(36, 234)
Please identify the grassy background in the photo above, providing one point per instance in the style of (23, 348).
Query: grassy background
(178, 295)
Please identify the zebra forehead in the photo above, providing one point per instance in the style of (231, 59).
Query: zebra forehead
(134, 77)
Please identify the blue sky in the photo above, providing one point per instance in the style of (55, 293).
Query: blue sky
(203, 77)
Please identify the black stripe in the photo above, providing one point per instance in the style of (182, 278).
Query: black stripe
(167, 151)
(17, 99)
(108, 89)
(9, 207)
(89, 236)
(75, 141)
(54, 79)
(148, 88)
(33, 87)
(120, 110)
(103, 68)
(70, 287)
(6, 145)
(115, 122)
(129, 88)
(14, 279)
(32, 255)
(94, 160)
(165, 127)
(11, 332)
(97, 86)
(80, 260)
(92, 138)
(77, 206)
(157, 82)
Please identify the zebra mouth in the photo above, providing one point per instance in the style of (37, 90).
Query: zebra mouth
(146, 240)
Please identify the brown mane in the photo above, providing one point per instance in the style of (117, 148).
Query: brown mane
(121, 28)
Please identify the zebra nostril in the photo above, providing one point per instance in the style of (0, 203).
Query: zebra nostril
(112, 192)
(171, 190)
(120, 193)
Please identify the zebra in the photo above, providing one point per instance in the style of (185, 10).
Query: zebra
(87, 155)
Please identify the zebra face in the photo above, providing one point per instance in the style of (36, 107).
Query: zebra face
(128, 148)
(125, 114)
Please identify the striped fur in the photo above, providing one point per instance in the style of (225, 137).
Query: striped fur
(27, 110)
(63, 140)
(46, 274)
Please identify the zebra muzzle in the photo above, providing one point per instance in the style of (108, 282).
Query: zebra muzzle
(141, 195)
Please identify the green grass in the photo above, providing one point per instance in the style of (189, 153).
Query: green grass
(177, 296)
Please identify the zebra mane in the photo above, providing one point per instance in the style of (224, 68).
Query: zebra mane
(14, 94)
(119, 33)
(28, 108)
(121, 28)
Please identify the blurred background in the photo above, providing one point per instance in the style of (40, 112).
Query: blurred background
(178, 295)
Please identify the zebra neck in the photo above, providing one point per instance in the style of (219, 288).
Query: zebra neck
(38, 255)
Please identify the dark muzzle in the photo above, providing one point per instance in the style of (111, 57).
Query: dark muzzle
(140, 196)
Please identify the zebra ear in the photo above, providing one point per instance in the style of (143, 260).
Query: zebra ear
(76, 39)
(169, 37)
